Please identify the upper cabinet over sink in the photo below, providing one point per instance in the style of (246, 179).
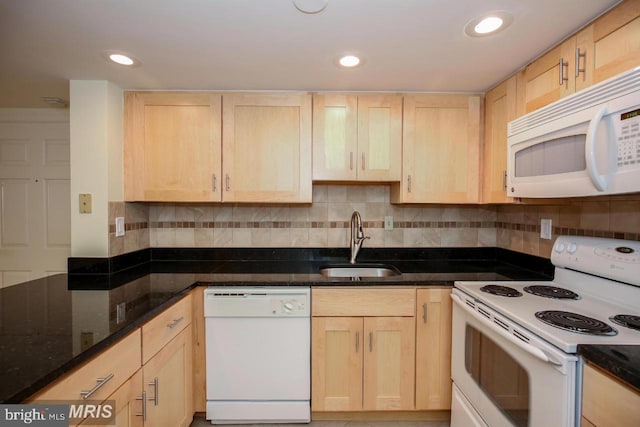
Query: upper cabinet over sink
(357, 137)
(175, 146)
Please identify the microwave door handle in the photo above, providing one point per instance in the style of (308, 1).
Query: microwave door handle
(534, 351)
(599, 181)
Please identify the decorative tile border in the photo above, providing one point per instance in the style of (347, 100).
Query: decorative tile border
(320, 224)
(569, 231)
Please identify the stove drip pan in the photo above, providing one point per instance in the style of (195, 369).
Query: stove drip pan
(551, 292)
(627, 320)
(574, 322)
(503, 291)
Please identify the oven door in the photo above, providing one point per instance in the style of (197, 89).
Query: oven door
(509, 376)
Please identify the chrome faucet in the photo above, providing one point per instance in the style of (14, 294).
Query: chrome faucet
(357, 236)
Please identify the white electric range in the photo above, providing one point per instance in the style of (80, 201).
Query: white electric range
(514, 343)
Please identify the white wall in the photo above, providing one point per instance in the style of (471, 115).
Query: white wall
(96, 111)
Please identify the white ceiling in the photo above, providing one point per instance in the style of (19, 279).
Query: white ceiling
(408, 45)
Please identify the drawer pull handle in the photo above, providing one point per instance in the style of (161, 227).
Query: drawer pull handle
(143, 398)
(175, 322)
(99, 383)
(155, 385)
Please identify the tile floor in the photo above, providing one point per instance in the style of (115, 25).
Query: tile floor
(201, 422)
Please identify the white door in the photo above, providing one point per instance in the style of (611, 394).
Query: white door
(35, 217)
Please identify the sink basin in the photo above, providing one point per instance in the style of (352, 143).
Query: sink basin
(359, 270)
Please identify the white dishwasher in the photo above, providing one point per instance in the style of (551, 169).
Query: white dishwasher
(258, 351)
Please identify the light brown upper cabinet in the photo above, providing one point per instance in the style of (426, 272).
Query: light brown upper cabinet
(172, 148)
(613, 41)
(499, 110)
(609, 46)
(548, 78)
(357, 138)
(441, 150)
(267, 148)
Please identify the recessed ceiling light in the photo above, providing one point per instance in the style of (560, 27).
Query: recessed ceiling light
(121, 58)
(488, 24)
(310, 6)
(349, 61)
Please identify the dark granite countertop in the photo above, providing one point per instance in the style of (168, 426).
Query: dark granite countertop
(51, 325)
(622, 361)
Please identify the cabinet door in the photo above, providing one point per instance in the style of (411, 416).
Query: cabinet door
(500, 109)
(167, 380)
(544, 81)
(389, 363)
(379, 137)
(335, 137)
(128, 403)
(172, 146)
(267, 148)
(441, 157)
(616, 41)
(336, 363)
(608, 402)
(433, 349)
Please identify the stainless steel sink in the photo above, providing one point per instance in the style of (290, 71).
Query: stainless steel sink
(359, 270)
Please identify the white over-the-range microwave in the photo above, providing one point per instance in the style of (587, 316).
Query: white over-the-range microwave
(586, 144)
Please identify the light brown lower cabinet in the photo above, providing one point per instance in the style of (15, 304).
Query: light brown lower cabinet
(362, 363)
(433, 349)
(607, 402)
(167, 379)
(128, 403)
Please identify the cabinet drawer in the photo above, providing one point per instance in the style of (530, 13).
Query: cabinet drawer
(118, 363)
(363, 302)
(164, 327)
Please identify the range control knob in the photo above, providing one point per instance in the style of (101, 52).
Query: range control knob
(572, 248)
(560, 248)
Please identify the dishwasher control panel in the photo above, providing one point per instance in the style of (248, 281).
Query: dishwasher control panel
(257, 302)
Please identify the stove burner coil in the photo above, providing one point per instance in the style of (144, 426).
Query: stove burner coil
(575, 322)
(627, 320)
(551, 292)
(503, 291)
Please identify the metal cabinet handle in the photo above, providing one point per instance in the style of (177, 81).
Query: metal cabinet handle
(351, 160)
(175, 322)
(424, 312)
(357, 341)
(214, 182)
(155, 384)
(363, 160)
(504, 180)
(227, 184)
(370, 342)
(143, 398)
(100, 383)
(563, 78)
(579, 55)
(409, 184)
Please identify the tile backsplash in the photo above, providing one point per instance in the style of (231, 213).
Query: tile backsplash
(325, 222)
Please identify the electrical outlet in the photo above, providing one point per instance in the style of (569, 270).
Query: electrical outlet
(388, 222)
(121, 312)
(85, 203)
(119, 226)
(545, 229)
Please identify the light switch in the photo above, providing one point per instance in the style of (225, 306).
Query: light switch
(85, 203)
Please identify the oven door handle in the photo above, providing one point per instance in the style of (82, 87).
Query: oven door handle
(534, 351)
